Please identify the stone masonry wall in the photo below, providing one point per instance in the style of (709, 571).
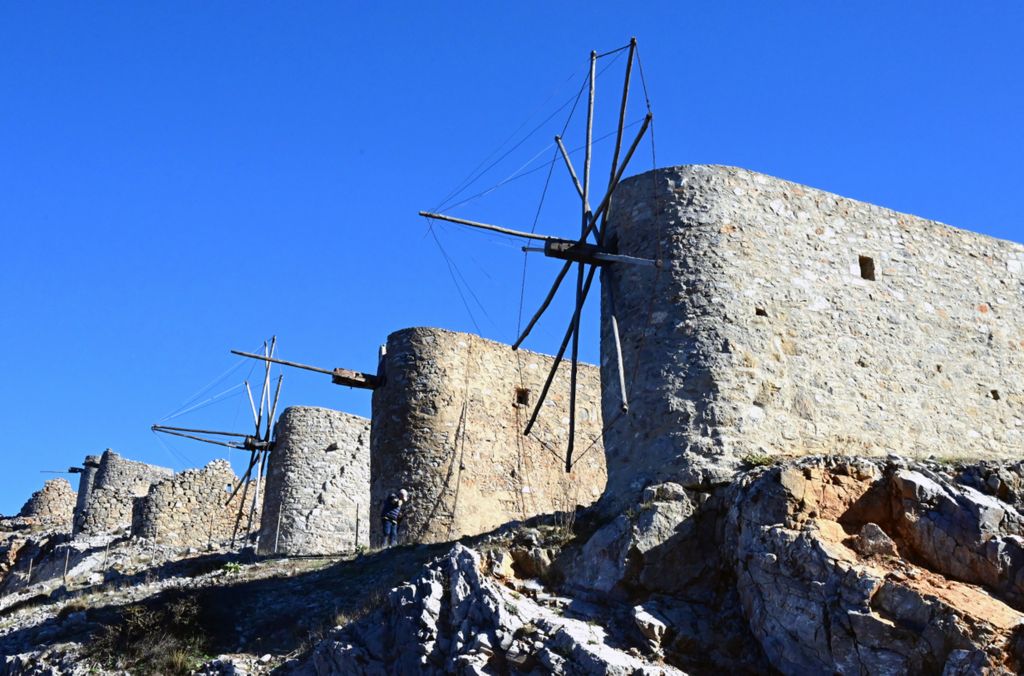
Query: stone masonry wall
(190, 510)
(318, 483)
(86, 479)
(117, 484)
(52, 506)
(447, 426)
(763, 333)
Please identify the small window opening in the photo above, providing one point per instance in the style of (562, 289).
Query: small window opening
(867, 268)
(760, 312)
(522, 396)
(938, 368)
(995, 394)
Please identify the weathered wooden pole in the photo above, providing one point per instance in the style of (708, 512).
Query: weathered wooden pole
(487, 226)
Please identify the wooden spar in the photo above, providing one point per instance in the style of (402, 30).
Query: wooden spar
(568, 165)
(621, 169)
(339, 376)
(273, 409)
(590, 137)
(487, 226)
(622, 113)
(164, 428)
(275, 360)
(252, 402)
(229, 444)
(544, 305)
(558, 359)
(618, 349)
(584, 228)
(587, 253)
(266, 384)
(245, 475)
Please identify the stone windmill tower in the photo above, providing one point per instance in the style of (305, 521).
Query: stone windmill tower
(592, 250)
(259, 443)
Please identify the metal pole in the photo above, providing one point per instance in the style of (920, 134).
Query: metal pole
(487, 226)
(67, 557)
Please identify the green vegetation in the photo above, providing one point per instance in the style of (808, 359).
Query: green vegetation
(163, 640)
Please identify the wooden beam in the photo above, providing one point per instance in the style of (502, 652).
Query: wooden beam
(339, 376)
(486, 226)
(354, 379)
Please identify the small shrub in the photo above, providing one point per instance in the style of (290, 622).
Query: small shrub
(758, 459)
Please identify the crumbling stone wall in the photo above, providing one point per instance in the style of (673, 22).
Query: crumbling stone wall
(118, 482)
(318, 483)
(86, 479)
(52, 506)
(191, 509)
(447, 425)
(788, 320)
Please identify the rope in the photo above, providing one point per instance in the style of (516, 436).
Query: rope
(451, 271)
(575, 102)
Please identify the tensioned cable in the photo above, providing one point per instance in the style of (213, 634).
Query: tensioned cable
(516, 176)
(466, 181)
(480, 175)
(451, 271)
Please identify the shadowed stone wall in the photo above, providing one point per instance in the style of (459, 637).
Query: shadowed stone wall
(118, 482)
(788, 320)
(190, 510)
(447, 426)
(318, 483)
(52, 506)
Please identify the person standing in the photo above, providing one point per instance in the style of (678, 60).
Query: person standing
(391, 516)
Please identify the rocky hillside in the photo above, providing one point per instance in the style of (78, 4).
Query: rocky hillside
(815, 566)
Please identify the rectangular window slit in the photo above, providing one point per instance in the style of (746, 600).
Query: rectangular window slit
(867, 268)
(522, 396)
(995, 394)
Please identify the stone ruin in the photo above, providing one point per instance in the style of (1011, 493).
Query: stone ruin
(111, 493)
(317, 498)
(791, 321)
(447, 426)
(192, 509)
(52, 506)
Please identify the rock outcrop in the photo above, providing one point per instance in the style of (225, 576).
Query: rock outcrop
(818, 566)
(457, 618)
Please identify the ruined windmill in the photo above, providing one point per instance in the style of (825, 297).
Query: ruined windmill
(587, 255)
(259, 443)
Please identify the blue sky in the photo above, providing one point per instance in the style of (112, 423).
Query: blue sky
(180, 179)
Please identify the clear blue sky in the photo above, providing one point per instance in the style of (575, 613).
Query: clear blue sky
(178, 179)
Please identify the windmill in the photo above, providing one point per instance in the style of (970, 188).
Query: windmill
(259, 443)
(586, 255)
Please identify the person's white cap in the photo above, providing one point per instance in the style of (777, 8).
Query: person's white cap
(404, 494)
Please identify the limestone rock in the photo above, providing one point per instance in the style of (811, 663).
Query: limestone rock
(455, 619)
